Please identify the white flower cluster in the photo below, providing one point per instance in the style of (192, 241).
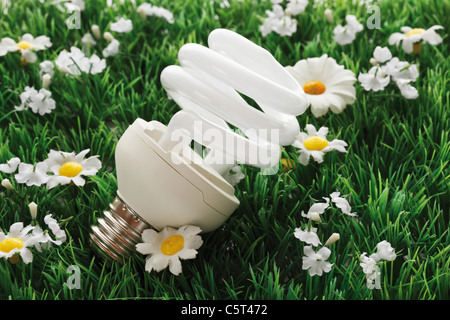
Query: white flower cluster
(64, 168)
(386, 67)
(316, 262)
(370, 265)
(38, 101)
(346, 34)
(281, 20)
(19, 240)
(75, 62)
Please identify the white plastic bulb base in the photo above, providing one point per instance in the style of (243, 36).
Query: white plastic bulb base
(157, 189)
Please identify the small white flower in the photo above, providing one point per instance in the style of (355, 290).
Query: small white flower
(374, 80)
(346, 34)
(315, 144)
(108, 36)
(146, 9)
(343, 35)
(26, 46)
(88, 40)
(75, 62)
(407, 90)
(121, 25)
(342, 204)
(316, 262)
(385, 251)
(46, 240)
(317, 208)
(411, 36)
(46, 67)
(32, 174)
(327, 85)
(10, 166)
(38, 101)
(17, 242)
(370, 268)
(308, 236)
(69, 167)
(112, 49)
(167, 247)
(273, 20)
(234, 175)
(297, 6)
(382, 54)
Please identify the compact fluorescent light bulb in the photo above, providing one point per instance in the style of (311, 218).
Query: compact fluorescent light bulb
(162, 181)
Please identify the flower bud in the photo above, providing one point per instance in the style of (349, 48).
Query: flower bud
(46, 80)
(332, 239)
(329, 15)
(33, 210)
(7, 184)
(96, 31)
(315, 217)
(108, 36)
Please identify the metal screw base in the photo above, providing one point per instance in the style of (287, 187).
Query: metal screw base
(117, 233)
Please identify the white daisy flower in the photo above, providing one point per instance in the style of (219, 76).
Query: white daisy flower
(68, 167)
(10, 166)
(317, 209)
(17, 242)
(75, 62)
(342, 204)
(308, 236)
(146, 9)
(375, 79)
(32, 175)
(38, 101)
(167, 247)
(316, 262)
(326, 84)
(122, 25)
(112, 49)
(411, 38)
(297, 6)
(26, 46)
(315, 144)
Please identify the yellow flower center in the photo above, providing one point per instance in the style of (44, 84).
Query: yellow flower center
(415, 31)
(70, 169)
(10, 244)
(287, 164)
(315, 143)
(24, 45)
(172, 245)
(314, 87)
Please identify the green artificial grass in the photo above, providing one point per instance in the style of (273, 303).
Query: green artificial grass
(395, 174)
